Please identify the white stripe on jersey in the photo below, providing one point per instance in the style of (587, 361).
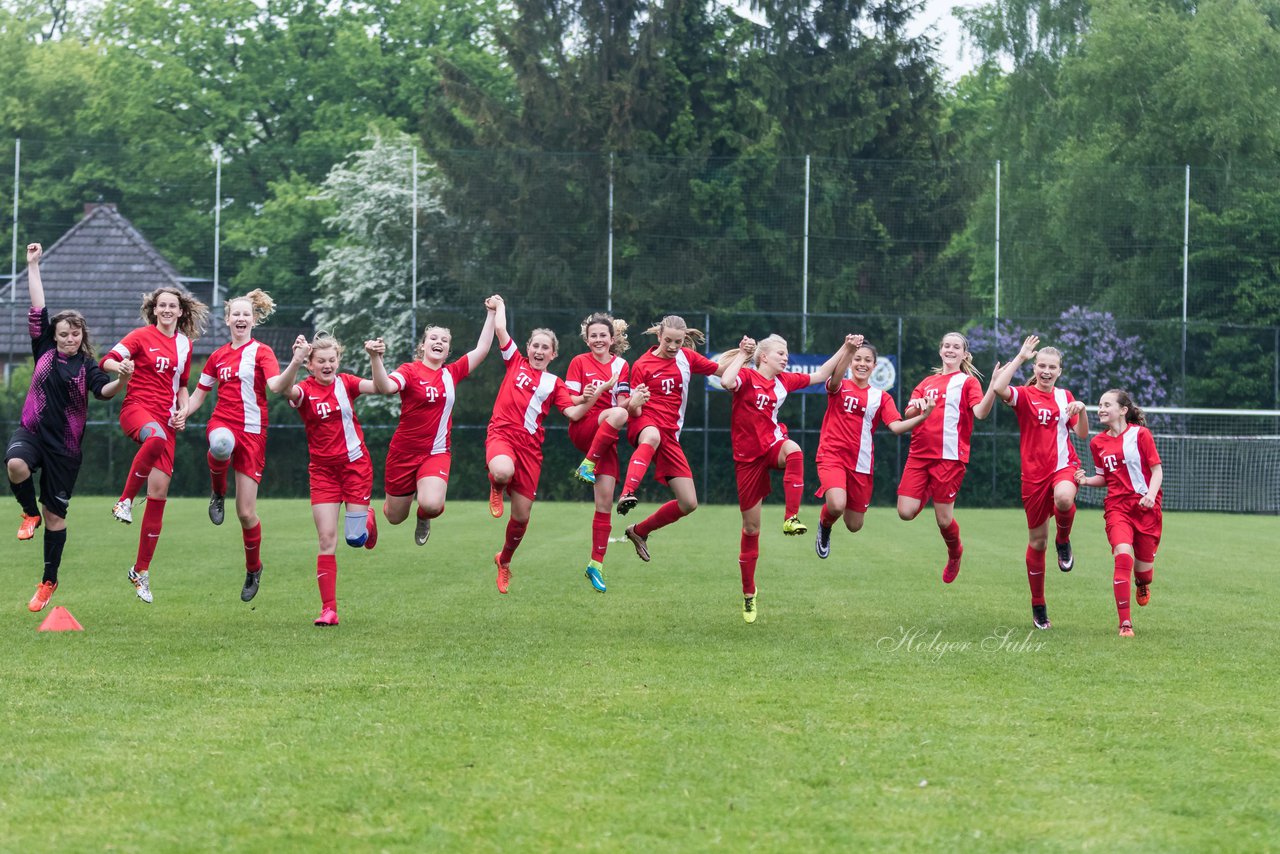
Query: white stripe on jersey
(1133, 460)
(874, 399)
(205, 382)
(248, 395)
(573, 386)
(781, 392)
(509, 350)
(682, 365)
(1060, 433)
(121, 352)
(182, 345)
(951, 416)
(533, 411)
(348, 419)
(441, 443)
(398, 379)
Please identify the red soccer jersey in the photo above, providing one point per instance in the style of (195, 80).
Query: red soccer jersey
(944, 435)
(1044, 427)
(853, 413)
(333, 433)
(526, 396)
(241, 376)
(753, 421)
(668, 383)
(1126, 462)
(427, 396)
(585, 369)
(161, 366)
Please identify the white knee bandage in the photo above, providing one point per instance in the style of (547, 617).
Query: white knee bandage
(356, 528)
(222, 442)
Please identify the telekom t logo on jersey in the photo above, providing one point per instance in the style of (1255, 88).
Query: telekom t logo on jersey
(763, 401)
(323, 409)
(1110, 462)
(1044, 416)
(668, 385)
(162, 364)
(432, 393)
(225, 374)
(523, 381)
(850, 404)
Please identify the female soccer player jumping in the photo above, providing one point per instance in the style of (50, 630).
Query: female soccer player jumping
(761, 445)
(940, 444)
(1127, 464)
(420, 453)
(155, 406)
(659, 396)
(513, 444)
(596, 435)
(241, 371)
(50, 434)
(1046, 414)
(340, 469)
(845, 459)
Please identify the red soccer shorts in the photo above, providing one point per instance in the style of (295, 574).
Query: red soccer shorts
(1037, 498)
(250, 454)
(134, 418)
(857, 486)
(1135, 526)
(405, 470)
(527, 459)
(669, 460)
(754, 482)
(342, 480)
(581, 433)
(937, 479)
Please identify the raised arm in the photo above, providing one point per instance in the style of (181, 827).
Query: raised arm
(381, 383)
(477, 355)
(35, 285)
(285, 384)
(842, 365)
(1077, 407)
(1001, 377)
(844, 353)
(500, 325)
(729, 376)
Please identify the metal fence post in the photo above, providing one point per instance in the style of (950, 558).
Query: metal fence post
(413, 262)
(13, 261)
(1186, 240)
(804, 272)
(608, 298)
(706, 412)
(217, 220)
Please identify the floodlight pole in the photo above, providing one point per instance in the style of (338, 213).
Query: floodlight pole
(1186, 240)
(804, 273)
(997, 294)
(217, 220)
(413, 254)
(13, 262)
(608, 280)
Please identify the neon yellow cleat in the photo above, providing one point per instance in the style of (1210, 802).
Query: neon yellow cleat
(793, 527)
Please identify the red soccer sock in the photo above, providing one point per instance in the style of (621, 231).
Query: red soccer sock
(600, 527)
(748, 554)
(327, 580)
(661, 518)
(1124, 566)
(606, 435)
(143, 462)
(825, 519)
(1035, 575)
(422, 514)
(1145, 576)
(793, 482)
(149, 536)
(1064, 519)
(638, 467)
(951, 535)
(252, 547)
(515, 533)
(218, 474)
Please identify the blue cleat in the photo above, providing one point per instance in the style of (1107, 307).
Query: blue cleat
(595, 574)
(586, 472)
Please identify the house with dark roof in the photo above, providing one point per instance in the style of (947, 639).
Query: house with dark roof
(101, 268)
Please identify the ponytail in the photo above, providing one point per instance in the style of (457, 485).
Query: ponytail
(1134, 413)
(618, 328)
(692, 337)
(966, 364)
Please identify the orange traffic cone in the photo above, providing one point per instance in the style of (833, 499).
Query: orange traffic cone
(60, 620)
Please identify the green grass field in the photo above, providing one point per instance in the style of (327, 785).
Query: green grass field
(441, 715)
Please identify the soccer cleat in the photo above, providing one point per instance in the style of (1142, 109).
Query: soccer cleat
(216, 511)
(822, 545)
(952, 569)
(1143, 594)
(749, 608)
(250, 588)
(422, 532)
(27, 529)
(495, 502)
(586, 471)
(371, 525)
(627, 503)
(1126, 629)
(328, 617)
(142, 584)
(793, 527)
(1040, 616)
(641, 543)
(1066, 560)
(595, 574)
(44, 591)
(504, 573)
(123, 511)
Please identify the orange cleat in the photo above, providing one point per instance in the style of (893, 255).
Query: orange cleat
(495, 502)
(504, 573)
(1144, 594)
(44, 592)
(1126, 629)
(27, 529)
